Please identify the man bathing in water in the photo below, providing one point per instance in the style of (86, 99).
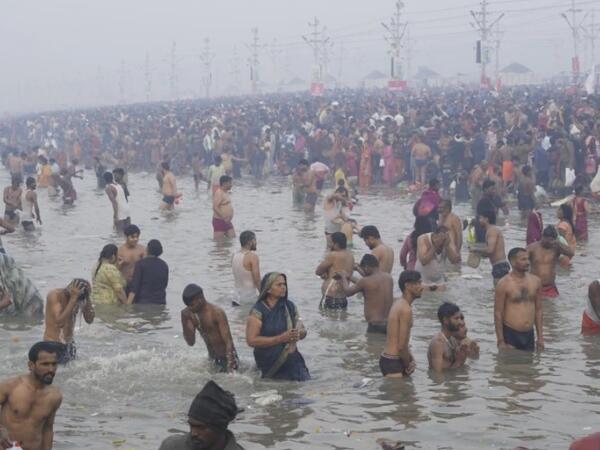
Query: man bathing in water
(62, 306)
(518, 306)
(12, 200)
(223, 210)
(397, 361)
(130, 253)
(30, 207)
(299, 182)
(118, 200)
(211, 323)
(338, 260)
(377, 288)
(28, 403)
(433, 250)
(494, 245)
(384, 254)
(450, 348)
(544, 255)
(246, 269)
(169, 188)
(452, 222)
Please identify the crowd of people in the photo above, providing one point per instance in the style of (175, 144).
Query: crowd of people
(443, 147)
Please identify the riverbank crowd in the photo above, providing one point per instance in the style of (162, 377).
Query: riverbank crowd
(531, 147)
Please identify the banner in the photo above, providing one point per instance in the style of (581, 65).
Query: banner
(397, 85)
(317, 89)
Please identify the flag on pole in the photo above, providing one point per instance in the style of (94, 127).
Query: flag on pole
(590, 82)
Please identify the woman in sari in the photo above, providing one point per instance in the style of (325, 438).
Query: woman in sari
(581, 208)
(566, 230)
(366, 168)
(273, 329)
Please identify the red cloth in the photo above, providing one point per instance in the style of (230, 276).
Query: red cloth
(549, 291)
(221, 225)
(588, 326)
(591, 442)
(535, 225)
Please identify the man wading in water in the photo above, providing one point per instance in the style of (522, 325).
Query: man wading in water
(211, 323)
(338, 260)
(28, 403)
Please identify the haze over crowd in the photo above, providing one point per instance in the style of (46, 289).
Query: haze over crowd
(68, 53)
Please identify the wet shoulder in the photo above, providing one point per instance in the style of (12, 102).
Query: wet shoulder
(175, 442)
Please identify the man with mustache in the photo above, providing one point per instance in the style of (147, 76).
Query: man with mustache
(28, 403)
(210, 413)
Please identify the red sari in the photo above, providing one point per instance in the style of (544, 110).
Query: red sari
(366, 168)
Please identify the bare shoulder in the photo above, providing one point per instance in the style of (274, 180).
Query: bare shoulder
(54, 396)
(9, 385)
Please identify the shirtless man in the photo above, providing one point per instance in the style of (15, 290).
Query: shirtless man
(312, 191)
(169, 188)
(421, 155)
(433, 251)
(15, 164)
(29, 205)
(518, 306)
(544, 255)
(215, 172)
(28, 403)
(118, 200)
(494, 245)
(446, 351)
(526, 191)
(130, 253)
(338, 260)
(12, 199)
(384, 254)
(333, 214)
(377, 288)
(397, 361)
(451, 221)
(211, 323)
(246, 269)
(223, 210)
(299, 182)
(197, 170)
(62, 306)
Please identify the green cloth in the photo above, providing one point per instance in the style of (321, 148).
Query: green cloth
(26, 299)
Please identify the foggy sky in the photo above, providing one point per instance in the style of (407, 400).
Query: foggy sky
(66, 53)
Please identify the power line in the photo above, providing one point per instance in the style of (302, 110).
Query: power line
(206, 58)
(317, 41)
(484, 26)
(395, 33)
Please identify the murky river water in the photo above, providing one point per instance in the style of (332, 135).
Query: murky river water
(136, 377)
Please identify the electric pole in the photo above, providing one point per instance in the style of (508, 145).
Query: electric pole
(173, 74)
(575, 26)
(497, 40)
(317, 41)
(254, 61)
(395, 33)
(206, 58)
(484, 25)
(591, 34)
(235, 71)
(148, 78)
(408, 48)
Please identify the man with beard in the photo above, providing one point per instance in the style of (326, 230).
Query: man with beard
(209, 416)
(28, 403)
(450, 348)
(246, 269)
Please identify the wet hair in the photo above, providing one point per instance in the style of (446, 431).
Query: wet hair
(108, 251)
(108, 177)
(224, 179)
(43, 346)
(130, 230)
(487, 183)
(30, 182)
(303, 162)
(408, 276)
(119, 170)
(190, 292)
(550, 232)
(370, 231)
(154, 247)
(87, 289)
(434, 182)
(579, 189)
(447, 202)
(369, 261)
(447, 310)
(489, 214)
(246, 237)
(218, 160)
(422, 226)
(16, 179)
(339, 239)
(512, 254)
(567, 212)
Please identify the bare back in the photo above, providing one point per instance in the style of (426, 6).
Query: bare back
(385, 256)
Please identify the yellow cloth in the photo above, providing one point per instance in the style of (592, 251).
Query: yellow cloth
(340, 175)
(106, 283)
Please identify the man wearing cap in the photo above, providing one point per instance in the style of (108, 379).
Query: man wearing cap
(210, 413)
(211, 322)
